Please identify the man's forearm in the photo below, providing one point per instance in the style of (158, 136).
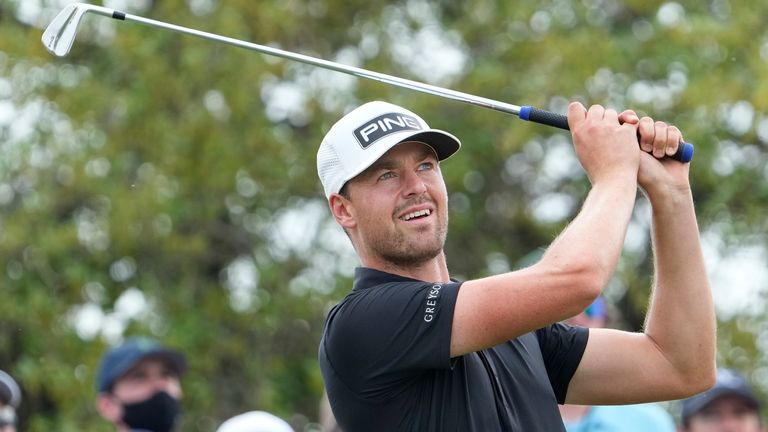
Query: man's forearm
(596, 236)
(681, 318)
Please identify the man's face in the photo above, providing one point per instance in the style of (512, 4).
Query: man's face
(726, 414)
(142, 381)
(146, 378)
(399, 206)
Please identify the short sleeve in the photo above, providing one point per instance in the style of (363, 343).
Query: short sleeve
(380, 337)
(562, 347)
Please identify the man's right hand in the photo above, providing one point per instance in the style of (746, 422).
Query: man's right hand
(579, 262)
(605, 147)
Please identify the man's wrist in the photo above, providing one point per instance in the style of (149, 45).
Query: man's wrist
(669, 197)
(616, 182)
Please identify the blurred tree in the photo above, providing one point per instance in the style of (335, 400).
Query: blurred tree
(153, 183)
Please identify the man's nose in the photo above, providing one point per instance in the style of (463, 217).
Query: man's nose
(413, 184)
(161, 382)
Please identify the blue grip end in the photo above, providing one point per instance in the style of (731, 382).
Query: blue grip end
(686, 154)
(525, 113)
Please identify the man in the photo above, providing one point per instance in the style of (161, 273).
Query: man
(10, 398)
(614, 418)
(138, 385)
(412, 349)
(729, 406)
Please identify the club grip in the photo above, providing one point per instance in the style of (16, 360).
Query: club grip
(684, 150)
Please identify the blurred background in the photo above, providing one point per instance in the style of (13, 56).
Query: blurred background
(158, 184)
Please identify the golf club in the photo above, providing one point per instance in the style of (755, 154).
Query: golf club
(60, 34)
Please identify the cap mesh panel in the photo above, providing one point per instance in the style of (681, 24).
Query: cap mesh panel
(328, 166)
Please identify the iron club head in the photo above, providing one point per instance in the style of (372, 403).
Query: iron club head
(60, 34)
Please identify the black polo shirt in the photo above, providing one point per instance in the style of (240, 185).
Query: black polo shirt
(385, 359)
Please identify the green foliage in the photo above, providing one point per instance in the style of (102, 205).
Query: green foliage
(155, 163)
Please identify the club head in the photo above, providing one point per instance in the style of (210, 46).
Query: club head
(60, 34)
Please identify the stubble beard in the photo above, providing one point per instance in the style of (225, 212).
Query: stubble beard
(397, 249)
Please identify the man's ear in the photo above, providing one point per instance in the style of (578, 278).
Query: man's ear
(108, 408)
(343, 211)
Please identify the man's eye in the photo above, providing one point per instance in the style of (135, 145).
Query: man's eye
(426, 166)
(387, 175)
(137, 376)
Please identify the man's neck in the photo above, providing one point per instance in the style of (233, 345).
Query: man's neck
(433, 270)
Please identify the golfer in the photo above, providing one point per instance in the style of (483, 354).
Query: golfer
(412, 349)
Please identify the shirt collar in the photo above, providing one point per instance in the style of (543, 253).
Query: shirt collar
(366, 277)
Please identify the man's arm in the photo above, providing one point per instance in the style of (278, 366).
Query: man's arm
(675, 355)
(579, 263)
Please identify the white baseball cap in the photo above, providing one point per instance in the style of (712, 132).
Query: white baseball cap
(10, 393)
(362, 136)
(255, 421)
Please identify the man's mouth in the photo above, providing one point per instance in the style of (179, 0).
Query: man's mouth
(417, 214)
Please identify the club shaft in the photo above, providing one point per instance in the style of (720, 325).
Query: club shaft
(326, 64)
(684, 153)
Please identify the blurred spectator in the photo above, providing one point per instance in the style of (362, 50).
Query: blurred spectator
(614, 418)
(255, 421)
(327, 419)
(10, 398)
(138, 385)
(729, 406)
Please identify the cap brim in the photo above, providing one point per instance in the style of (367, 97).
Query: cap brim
(445, 144)
(174, 359)
(10, 393)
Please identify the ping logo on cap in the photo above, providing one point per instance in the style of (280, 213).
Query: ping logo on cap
(383, 125)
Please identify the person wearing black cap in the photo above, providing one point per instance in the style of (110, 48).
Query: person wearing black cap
(10, 398)
(139, 386)
(729, 406)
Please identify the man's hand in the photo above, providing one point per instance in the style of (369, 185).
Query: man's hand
(605, 146)
(658, 140)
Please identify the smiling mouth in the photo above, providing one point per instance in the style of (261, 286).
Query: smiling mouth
(417, 215)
